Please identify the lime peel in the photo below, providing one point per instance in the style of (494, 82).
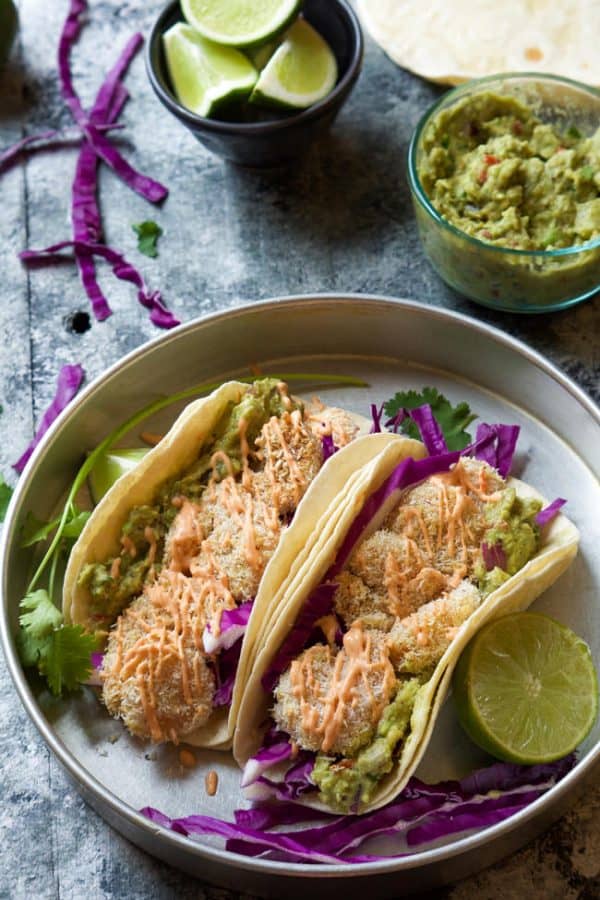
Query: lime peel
(526, 690)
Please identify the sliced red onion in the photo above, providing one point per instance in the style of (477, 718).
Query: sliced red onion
(69, 382)
(548, 513)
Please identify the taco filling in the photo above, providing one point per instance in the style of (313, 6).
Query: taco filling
(196, 554)
(399, 601)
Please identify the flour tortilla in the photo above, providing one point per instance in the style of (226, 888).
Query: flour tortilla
(454, 40)
(557, 550)
(177, 451)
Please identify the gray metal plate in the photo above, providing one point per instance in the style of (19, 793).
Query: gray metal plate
(392, 345)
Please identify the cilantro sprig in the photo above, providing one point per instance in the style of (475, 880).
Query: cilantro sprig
(453, 420)
(62, 652)
(148, 234)
(5, 495)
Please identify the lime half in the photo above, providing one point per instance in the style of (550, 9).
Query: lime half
(205, 75)
(526, 690)
(239, 23)
(301, 72)
(110, 467)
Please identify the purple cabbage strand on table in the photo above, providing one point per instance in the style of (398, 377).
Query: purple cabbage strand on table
(85, 214)
(69, 382)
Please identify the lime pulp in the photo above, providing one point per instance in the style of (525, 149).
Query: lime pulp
(204, 74)
(302, 70)
(239, 23)
(526, 690)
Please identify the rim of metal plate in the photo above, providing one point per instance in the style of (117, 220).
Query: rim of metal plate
(92, 788)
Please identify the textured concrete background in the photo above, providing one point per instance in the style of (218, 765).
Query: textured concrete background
(339, 220)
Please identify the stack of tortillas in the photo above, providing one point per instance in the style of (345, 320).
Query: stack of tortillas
(454, 40)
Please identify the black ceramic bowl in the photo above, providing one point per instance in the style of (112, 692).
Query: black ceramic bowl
(282, 136)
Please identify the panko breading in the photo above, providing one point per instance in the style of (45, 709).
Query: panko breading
(418, 642)
(155, 674)
(444, 515)
(328, 701)
(331, 420)
(290, 456)
(354, 600)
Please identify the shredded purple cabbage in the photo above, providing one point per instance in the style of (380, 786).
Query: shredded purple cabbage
(328, 446)
(420, 814)
(276, 748)
(233, 627)
(431, 433)
(319, 604)
(376, 414)
(69, 382)
(493, 556)
(494, 444)
(549, 512)
(147, 187)
(295, 783)
(85, 214)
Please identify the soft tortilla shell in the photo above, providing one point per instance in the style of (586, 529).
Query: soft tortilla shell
(558, 548)
(454, 40)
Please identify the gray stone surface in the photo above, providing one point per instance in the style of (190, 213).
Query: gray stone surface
(339, 220)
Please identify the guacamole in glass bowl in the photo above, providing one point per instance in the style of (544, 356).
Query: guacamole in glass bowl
(505, 178)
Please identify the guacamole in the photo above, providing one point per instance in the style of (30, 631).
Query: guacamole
(346, 782)
(113, 587)
(512, 529)
(494, 170)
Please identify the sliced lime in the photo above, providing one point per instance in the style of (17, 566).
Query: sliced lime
(525, 689)
(302, 70)
(109, 469)
(260, 56)
(205, 75)
(239, 23)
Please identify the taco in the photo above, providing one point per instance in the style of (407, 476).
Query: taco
(171, 559)
(346, 687)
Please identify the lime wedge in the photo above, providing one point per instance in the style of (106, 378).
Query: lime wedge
(260, 56)
(526, 690)
(110, 467)
(239, 23)
(204, 74)
(302, 70)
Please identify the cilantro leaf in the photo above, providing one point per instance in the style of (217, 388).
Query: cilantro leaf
(34, 530)
(453, 420)
(5, 495)
(148, 234)
(37, 625)
(62, 653)
(67, 659)
(41, 616)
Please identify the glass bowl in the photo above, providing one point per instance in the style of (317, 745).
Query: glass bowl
(527, 281)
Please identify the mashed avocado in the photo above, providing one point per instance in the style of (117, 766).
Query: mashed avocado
(112, 592)
(494, 170)
(512, 527)
(345, 782)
